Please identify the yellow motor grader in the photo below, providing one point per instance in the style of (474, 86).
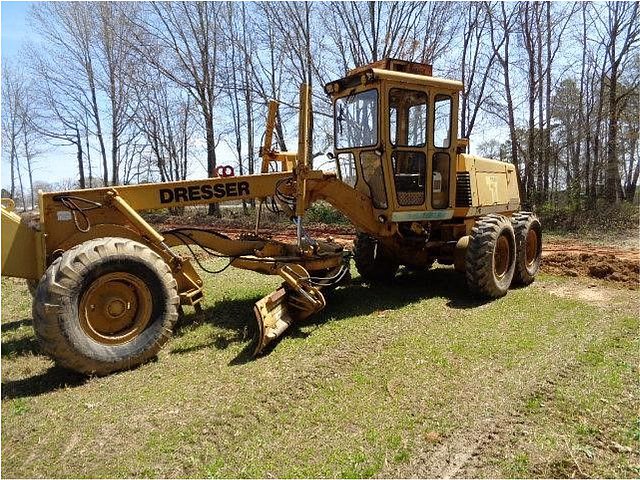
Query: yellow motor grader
(108, 286)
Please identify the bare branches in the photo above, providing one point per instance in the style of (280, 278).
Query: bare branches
(364, 32)
(147, 87)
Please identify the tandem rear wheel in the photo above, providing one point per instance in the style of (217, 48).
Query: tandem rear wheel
(105, 305)
(503, 252)
(528, 232)
(491, 256)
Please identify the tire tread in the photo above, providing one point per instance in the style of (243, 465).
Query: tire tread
(57, 290)
(479, 257)
(373, 265)
(522, 222)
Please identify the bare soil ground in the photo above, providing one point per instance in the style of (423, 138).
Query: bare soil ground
(612, 263)
(567, 257)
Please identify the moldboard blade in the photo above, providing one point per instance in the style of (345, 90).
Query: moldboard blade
(278, 310)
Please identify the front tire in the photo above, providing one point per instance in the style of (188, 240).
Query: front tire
(528, 232)
(105, 305)
(490, 258)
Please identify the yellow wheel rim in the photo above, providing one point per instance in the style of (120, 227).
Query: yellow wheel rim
(115, 308)
(501, 257)
(531, 247)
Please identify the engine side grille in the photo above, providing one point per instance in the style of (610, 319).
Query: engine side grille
(463, 189)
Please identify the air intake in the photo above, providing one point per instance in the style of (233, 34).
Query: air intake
(463, 189)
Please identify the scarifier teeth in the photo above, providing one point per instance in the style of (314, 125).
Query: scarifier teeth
(278, 310)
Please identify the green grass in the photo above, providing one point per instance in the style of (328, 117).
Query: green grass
(363, 389)
(588, 425)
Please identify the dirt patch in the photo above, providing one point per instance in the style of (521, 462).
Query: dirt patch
(570, 246)
(339, 234)
(595, 262)
(592, 294)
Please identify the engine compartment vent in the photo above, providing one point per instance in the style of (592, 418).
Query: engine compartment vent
(463, 189)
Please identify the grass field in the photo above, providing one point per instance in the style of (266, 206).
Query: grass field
(413, 379)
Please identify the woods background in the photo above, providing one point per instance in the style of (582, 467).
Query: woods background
(146, 92)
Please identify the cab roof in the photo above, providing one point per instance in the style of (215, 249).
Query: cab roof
(395, 70)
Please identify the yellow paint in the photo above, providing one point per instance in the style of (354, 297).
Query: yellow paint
(19, 247)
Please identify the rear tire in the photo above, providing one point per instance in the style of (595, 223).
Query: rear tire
(372, 262)
(490, 258)
(528, 232)
(105, 305)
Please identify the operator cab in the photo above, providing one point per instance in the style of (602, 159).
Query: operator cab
(393, 129)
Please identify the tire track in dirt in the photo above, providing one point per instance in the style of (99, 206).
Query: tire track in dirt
(502, 428)
(458, 452)
(504, 432)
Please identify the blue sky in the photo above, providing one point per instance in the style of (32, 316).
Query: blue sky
(15, 29)
(55, 163)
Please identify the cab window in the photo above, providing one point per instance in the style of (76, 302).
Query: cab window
(442, 122)
(407, 118)
(356, 120)
(346, 168)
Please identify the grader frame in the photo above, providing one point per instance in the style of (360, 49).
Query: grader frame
(414, 196)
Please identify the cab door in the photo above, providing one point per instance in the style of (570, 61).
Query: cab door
(443, 152)
(407, 119)
(358, 144)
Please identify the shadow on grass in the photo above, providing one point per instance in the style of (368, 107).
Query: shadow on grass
(22, 345)
(54, 378)
(234, 318)
(16, 324)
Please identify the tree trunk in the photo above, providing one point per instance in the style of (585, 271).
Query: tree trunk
(611, 182)
(80, 159)
(597, 143)
(583, 127)
(630, 188)
(547, 130)
(214, 208)
(24, 204)
(540, 84)
(115, 178)
(14, 159)
(529, 169)
(96, 115)
(28, 156)
(86, 132)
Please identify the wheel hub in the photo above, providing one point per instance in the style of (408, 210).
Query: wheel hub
(115, 308)
(501, 256)
(531, 247)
